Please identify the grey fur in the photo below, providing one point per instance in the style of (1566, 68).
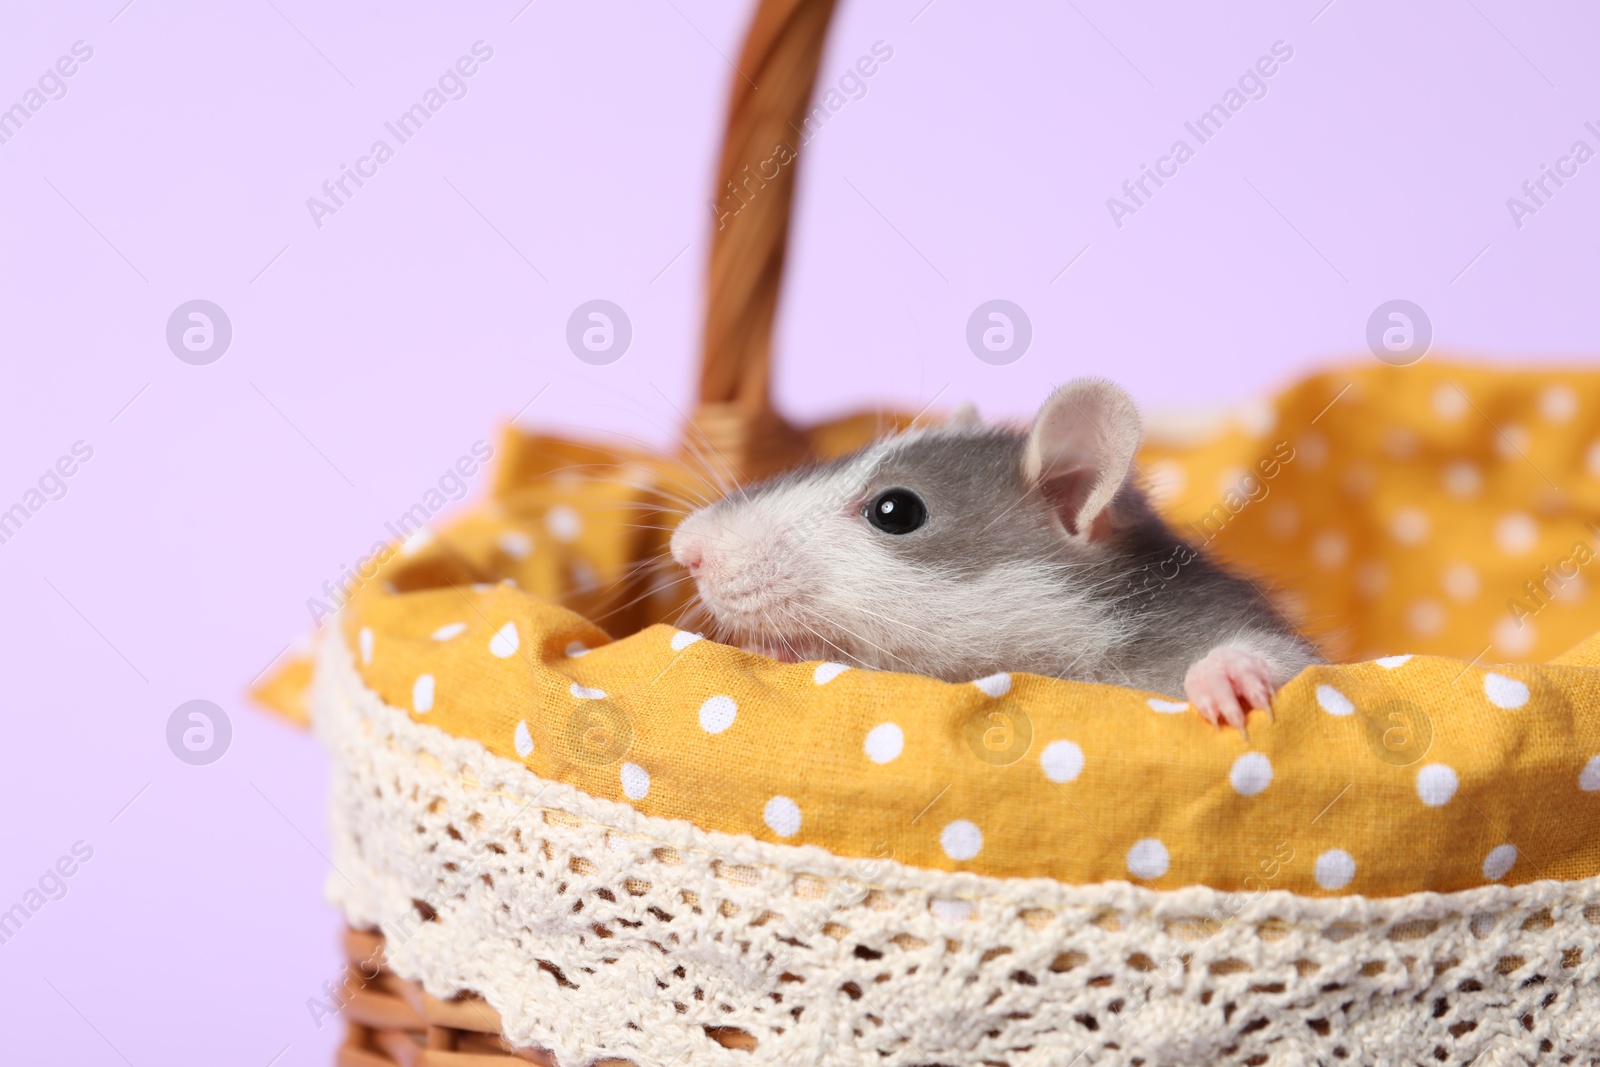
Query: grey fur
(1136, 608)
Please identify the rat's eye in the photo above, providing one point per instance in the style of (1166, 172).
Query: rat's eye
(897, 511)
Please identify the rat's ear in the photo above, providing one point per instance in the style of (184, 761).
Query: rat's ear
(1080, 451)
(965, 417)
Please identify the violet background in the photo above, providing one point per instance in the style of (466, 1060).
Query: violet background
(375, 350)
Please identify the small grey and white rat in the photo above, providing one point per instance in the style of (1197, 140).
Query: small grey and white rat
(965, 550)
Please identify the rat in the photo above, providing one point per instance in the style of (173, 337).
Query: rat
(964, 550)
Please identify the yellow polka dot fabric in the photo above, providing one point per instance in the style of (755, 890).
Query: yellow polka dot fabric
(1433, 523)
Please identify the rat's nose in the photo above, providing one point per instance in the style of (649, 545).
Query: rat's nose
(689, 552)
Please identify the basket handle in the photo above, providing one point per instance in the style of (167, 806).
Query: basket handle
(772, 87)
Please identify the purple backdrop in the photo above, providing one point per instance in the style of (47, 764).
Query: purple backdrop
(376, 338)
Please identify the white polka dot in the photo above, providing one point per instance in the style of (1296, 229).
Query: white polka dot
(1372, 578)
(584, 577)
(1391, 662)
(1335, 869)
(717, 714)
(827, 672)
(1592, 461)
(1228, 481)
(1498, 863)
(1409, 526)
(996, 685)
(1570, 591)
(1166, 480)
(523, 739)
(577, 649)
(950, 911)
(1460, 581)
(1511, 442)
(683, 639)
(1062, 761)
(1449, 403)
(1167, 707)
(515, 544)
(1436, 784)
(1334, 702)
(1282, 521)
(1425, 617)
(1558, 403)
(449, 630)
(505, 641)
(636, 786)
(1512, 637)
(1312, 450)
(1330, 549)
(364, 639)
(1360, 480)
(885, 742)
(783, 816)
(1251, 774)
(1148, 859)
(422, 693)
(961, 840)
(563, 523)
(1462, 480)
(1504, 692)
(416, 542)
(1516, 533)
(583, 692)
(1257, 417)
(1589, 779)
(1400, 442)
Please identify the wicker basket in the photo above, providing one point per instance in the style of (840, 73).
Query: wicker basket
(645, 941)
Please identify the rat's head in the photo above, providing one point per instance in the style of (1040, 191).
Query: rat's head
(925, 551)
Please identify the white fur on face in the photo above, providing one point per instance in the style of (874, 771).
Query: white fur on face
(767, 558)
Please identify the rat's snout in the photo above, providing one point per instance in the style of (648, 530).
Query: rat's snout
(735, 567)
(689, 546)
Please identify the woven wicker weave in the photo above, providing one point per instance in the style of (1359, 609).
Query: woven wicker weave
(736, 419)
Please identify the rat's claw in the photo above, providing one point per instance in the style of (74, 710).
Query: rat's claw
(1259, 693)
(1228, 682)
(1232, 712)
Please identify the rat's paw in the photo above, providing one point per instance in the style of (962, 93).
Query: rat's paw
(1228, 682)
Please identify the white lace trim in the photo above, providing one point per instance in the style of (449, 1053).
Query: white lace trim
(596, 931)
